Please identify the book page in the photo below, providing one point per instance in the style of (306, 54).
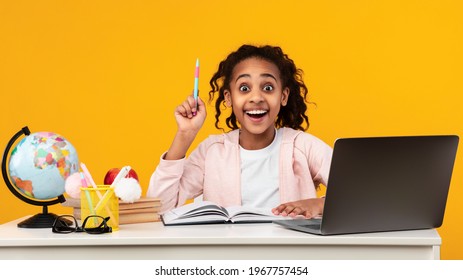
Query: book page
(242, 213)
(196, 212)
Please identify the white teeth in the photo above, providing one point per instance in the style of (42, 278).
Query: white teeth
(256, 112)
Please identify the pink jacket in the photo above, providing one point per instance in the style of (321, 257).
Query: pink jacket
(213, 169)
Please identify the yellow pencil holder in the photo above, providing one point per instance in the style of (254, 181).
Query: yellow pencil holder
(101, 201)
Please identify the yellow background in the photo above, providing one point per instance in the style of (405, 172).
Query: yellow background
(107, 75)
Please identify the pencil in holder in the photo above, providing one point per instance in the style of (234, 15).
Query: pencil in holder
(101, 201)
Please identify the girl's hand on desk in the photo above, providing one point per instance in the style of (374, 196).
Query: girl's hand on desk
(309, 208)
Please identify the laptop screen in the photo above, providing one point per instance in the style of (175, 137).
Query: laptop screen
(388, 183)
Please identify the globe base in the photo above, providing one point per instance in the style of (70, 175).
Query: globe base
(40, 220)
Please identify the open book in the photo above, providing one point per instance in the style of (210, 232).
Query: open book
(206, 212)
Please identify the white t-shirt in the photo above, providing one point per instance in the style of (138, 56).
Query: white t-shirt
(260, 175)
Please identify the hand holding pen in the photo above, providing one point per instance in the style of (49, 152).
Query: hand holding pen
(190, 116)
(186, 113)
(188, 127)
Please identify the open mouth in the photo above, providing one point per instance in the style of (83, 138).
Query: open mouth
(256, 114)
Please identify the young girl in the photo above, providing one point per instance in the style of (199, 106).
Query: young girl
(266, 160)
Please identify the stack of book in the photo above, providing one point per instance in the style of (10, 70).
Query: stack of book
(144, 210)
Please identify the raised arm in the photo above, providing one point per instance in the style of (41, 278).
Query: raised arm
(166, 181)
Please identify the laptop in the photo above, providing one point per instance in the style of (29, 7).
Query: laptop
(384, 184)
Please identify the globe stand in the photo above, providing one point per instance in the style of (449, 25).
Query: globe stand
(41, 220)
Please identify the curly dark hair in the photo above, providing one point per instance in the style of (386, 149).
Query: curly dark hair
(292, 115)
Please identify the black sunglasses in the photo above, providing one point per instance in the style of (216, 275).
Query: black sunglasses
(93, 224)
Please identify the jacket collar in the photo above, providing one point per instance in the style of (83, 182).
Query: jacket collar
(289, 135)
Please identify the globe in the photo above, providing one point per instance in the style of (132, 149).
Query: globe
(40, 164)
(38, 167)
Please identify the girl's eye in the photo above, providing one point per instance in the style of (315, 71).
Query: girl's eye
(268, 88)
(244, 88)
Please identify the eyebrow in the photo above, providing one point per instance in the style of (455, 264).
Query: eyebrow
(262, 75)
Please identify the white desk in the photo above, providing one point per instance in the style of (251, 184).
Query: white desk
(244, 241)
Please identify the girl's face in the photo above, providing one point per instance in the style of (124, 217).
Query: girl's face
(256, 95)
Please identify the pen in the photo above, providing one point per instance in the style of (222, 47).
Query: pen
(87, 194)
(103, 200)
(100, 196)
(89, 177)
(195, 89)
(124, 171)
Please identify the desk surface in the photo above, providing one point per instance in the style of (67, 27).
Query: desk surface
(229, 241)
